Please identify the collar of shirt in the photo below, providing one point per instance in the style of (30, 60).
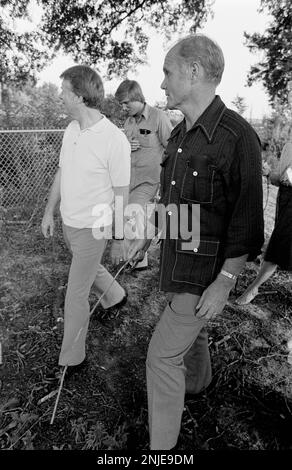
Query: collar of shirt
(144, 114)
(208, 121)
(97, 127)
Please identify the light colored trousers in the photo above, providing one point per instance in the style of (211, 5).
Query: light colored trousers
(141, 195)
(178, 360)
(85, 271)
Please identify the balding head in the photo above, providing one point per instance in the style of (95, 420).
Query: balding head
(199, 48)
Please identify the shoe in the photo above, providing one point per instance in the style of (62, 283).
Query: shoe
(191, 396)
(121, 303)
(194, 396)
(76, 369)
(113, 310)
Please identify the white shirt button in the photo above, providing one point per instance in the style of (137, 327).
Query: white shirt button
(195, 173)
(196, 250)
(179, 150)
(169, 213)
(173, 183)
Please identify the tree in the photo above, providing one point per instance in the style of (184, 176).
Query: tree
(39, 107)
(88, 30)
(21, 53)
(239, 104)
(274, 70)
(113, 110)
(95, 32)
(33, 108)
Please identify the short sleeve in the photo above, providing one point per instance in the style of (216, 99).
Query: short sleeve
(62, 151)
(119, 162)
(61, 156)
(164, 128)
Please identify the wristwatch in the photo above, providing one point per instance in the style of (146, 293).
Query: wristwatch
(229, 275)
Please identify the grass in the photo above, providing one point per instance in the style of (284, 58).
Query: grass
(248, 407)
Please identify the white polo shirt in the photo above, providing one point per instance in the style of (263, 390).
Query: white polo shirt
(92, 161)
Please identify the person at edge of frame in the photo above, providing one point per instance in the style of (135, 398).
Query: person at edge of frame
(278, 253)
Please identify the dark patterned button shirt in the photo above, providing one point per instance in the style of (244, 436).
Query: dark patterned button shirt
(213, 169)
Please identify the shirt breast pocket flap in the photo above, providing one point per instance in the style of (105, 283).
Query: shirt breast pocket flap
(195, 261)
(198, 181)
(146, 137)
(197, 247)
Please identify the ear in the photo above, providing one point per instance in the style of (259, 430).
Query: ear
(195, 70)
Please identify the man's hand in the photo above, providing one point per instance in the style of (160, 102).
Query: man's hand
(48, 225)
(135, 145)
(266, 169)
(117, 252)
(214, 298)
(274, 177)
(136, 249)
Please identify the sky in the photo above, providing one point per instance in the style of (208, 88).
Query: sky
(231, 19)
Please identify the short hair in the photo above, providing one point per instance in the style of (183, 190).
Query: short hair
(87, 83)
(204, 50)
(131, 90)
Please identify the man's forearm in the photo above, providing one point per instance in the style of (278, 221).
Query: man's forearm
(55, 193)
(121, 202)
(275, 178)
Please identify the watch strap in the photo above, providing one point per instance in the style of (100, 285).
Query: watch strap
(228, 274)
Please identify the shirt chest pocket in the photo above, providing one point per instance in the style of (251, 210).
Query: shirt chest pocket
(195, 261)
(198, 181)
(147, 138)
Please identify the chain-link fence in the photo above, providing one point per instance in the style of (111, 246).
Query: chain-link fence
(28, 162)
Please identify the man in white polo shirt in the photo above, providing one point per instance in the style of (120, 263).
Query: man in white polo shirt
(94, 167)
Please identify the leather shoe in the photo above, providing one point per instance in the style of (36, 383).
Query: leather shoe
(191, 396)
(76, 369)
(194, 396)
(121, 303)
(114, 309)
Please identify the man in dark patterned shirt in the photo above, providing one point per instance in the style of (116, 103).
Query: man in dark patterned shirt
(212, 161)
